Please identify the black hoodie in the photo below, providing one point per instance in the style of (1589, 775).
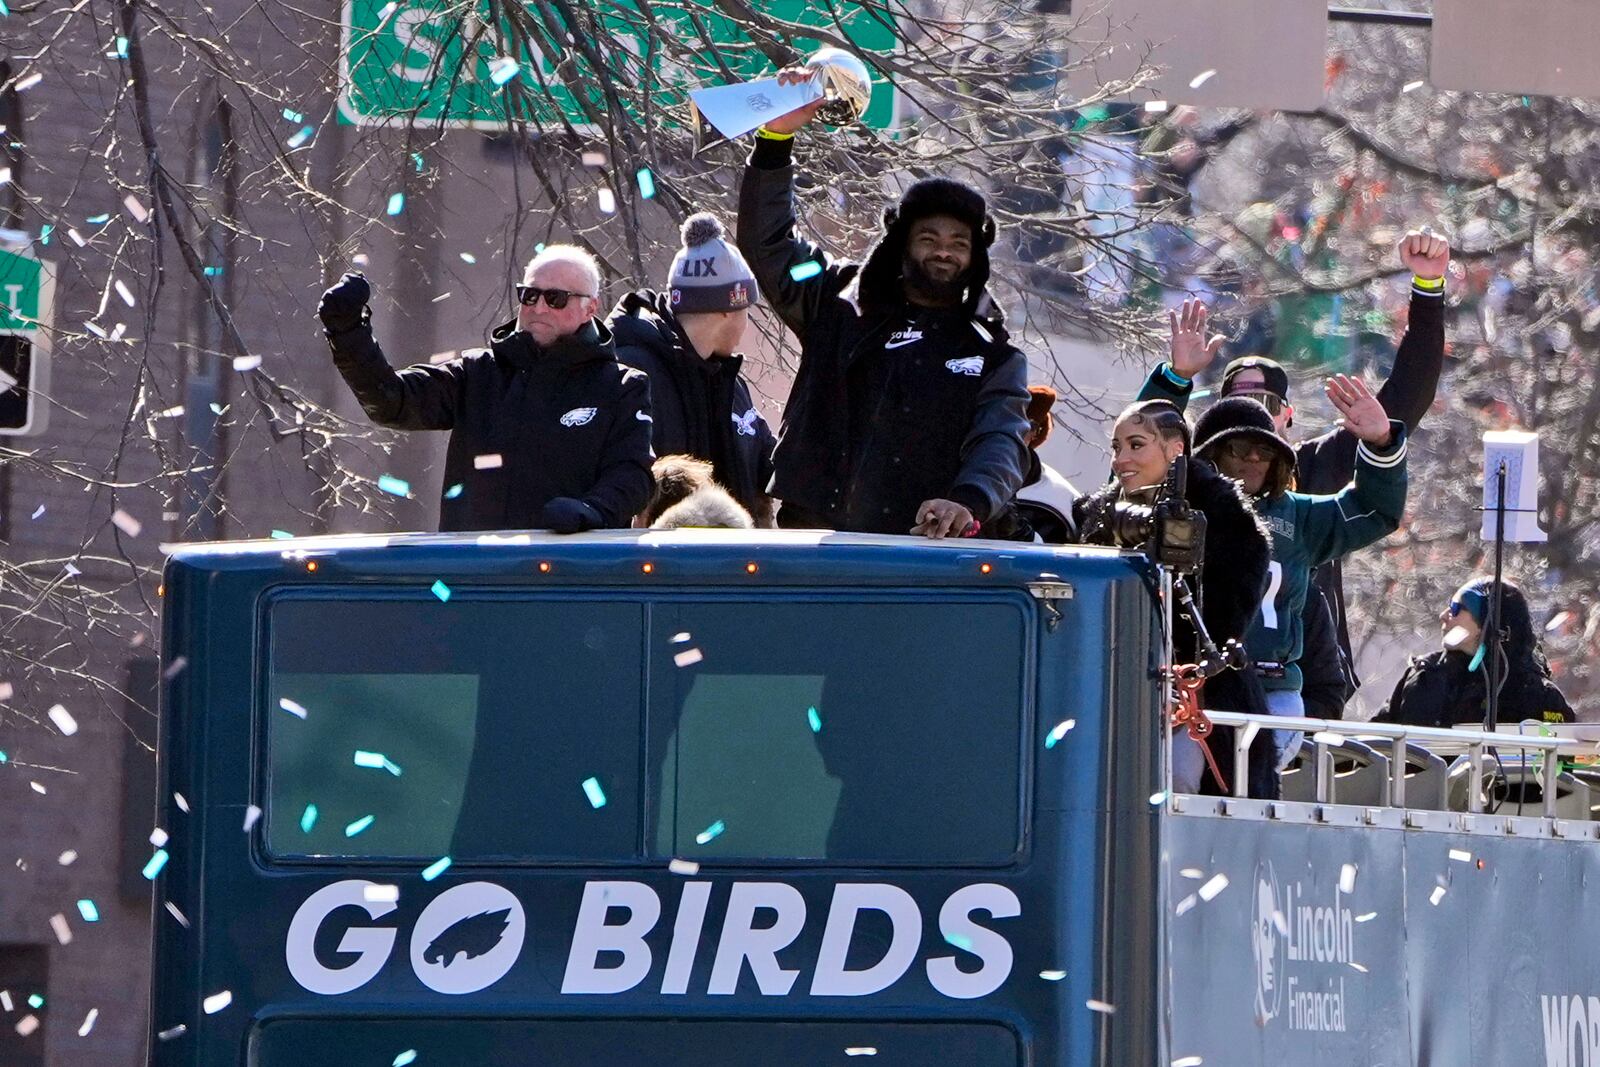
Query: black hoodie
(702, 407)
(527, 424)
(892, 405)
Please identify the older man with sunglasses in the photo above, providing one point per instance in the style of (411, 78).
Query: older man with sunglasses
(1323, 464)
(547, 429)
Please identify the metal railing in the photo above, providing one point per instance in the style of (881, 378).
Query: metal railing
(1328, 734)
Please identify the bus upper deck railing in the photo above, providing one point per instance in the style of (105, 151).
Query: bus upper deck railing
(1329, 734)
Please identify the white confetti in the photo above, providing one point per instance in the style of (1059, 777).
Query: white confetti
(1367, 917)
(594, 159)
(29, 82)
(441, 297)
(1186, 904)
(680, 637)
(688, 657)
(173, 1032)
(158, 837)
(686, 867)
(217, 1001)
(77, 238)
(246, 363)
(860, 1050)
(1052, 976)
(488, 461)
(58, 923)
(1217, 884)
(608, 201)
(1437, 895)
(251, 815)
(5, 1000)
(68, 858)
(1158, 798)
(1409, 86)
(135, 208)
(381, 894)
(37, 788)
(1155, 106)
(1201, 78)
(1347, 879)
(123, 291)
(182, 802)
(126, 523)
(1189, 1061)
(293, 707)
(27, 1025)
(63, 720)
(1358, 966)
(182, 919)
(1100, 1006)
(5, 690)
(1461, 855)
(88, 1022)
(1192, 872)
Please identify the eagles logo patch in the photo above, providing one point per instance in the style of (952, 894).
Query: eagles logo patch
(971, 366)
(578, 416)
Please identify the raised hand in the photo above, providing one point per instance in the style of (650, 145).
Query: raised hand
(1191, 352)
(1424, 253)
(1363, 415)
(797, 118)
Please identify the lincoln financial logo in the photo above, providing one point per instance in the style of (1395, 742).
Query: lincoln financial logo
(1301, 949)
(1571, 1031)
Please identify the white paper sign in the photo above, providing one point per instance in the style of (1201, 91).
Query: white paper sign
(1520, 452)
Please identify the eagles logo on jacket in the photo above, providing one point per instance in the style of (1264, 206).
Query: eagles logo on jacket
(892, 404)
(527, 424)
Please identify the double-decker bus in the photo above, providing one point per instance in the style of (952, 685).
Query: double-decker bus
(722, 797)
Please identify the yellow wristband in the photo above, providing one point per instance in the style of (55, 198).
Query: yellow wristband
(1427, 283)
(769, 135)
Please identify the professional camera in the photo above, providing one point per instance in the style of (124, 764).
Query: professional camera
(1169, 531)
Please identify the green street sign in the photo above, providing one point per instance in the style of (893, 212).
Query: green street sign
(421, 62)
(23, 298)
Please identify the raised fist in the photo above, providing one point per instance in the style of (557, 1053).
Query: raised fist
(1424, 253)
(344, 305)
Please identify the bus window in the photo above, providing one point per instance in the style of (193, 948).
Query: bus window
(847, 731)
(414, 729)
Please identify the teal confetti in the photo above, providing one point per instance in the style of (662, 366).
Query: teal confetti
(282, 535)
(397, 203)
(441, 591)
(358, 826)
(710, 833)
(4, 10)
(960, 942)
(503, 70)
(96, 220)
(35, 1001)
(216, 408)
(398, 486)
(213, 272)
(301, 137)
(539, 247)
(814, 719)
(409, 1056)
(1058, 732)
(122, 48)
(293, 116)
(596, 795)
(46, 230)
(809, 269)
(377, 761)
(647, 183)
(416, 161)
(436, 868)
(90, 913)
(308, 818)
(157, 861)
(454, 491)
(3, 757)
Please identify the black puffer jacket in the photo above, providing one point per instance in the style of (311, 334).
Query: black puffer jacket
(565, 421)
(1438, 690)
(1233, 580)
(892, 405)
(701, 407)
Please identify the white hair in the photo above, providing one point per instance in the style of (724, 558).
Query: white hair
(578, 257)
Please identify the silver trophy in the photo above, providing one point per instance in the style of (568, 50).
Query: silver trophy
(840, 78)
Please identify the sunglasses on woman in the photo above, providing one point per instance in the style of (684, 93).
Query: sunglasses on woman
(1271, 401)
(1247, 451)
(556, 299)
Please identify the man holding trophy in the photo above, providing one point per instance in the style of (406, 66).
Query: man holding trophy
(909, 409)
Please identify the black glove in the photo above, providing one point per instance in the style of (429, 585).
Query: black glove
(344, 305)
(564, 515)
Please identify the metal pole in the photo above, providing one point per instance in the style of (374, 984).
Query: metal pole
(1491, 628)
(1419, 19)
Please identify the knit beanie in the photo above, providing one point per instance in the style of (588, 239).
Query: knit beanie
(708, 273)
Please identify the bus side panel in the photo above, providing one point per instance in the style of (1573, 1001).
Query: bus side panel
(1331, 946)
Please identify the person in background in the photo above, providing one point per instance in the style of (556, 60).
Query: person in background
(1323, 463)
(1044, 503)
(1238, 435)
(1450, 685)
(1145, 440)
(547, 429)
(687, 340)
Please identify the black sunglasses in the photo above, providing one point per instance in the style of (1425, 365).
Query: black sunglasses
(1271, 401)
(556, 299)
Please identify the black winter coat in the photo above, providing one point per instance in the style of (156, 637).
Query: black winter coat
(891, 405)
(1438, 690)
(565, 421)
(701, 407)
(1233, 579)
(1324, 674)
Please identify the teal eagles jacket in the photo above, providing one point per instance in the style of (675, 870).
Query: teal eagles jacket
(1308, 531)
